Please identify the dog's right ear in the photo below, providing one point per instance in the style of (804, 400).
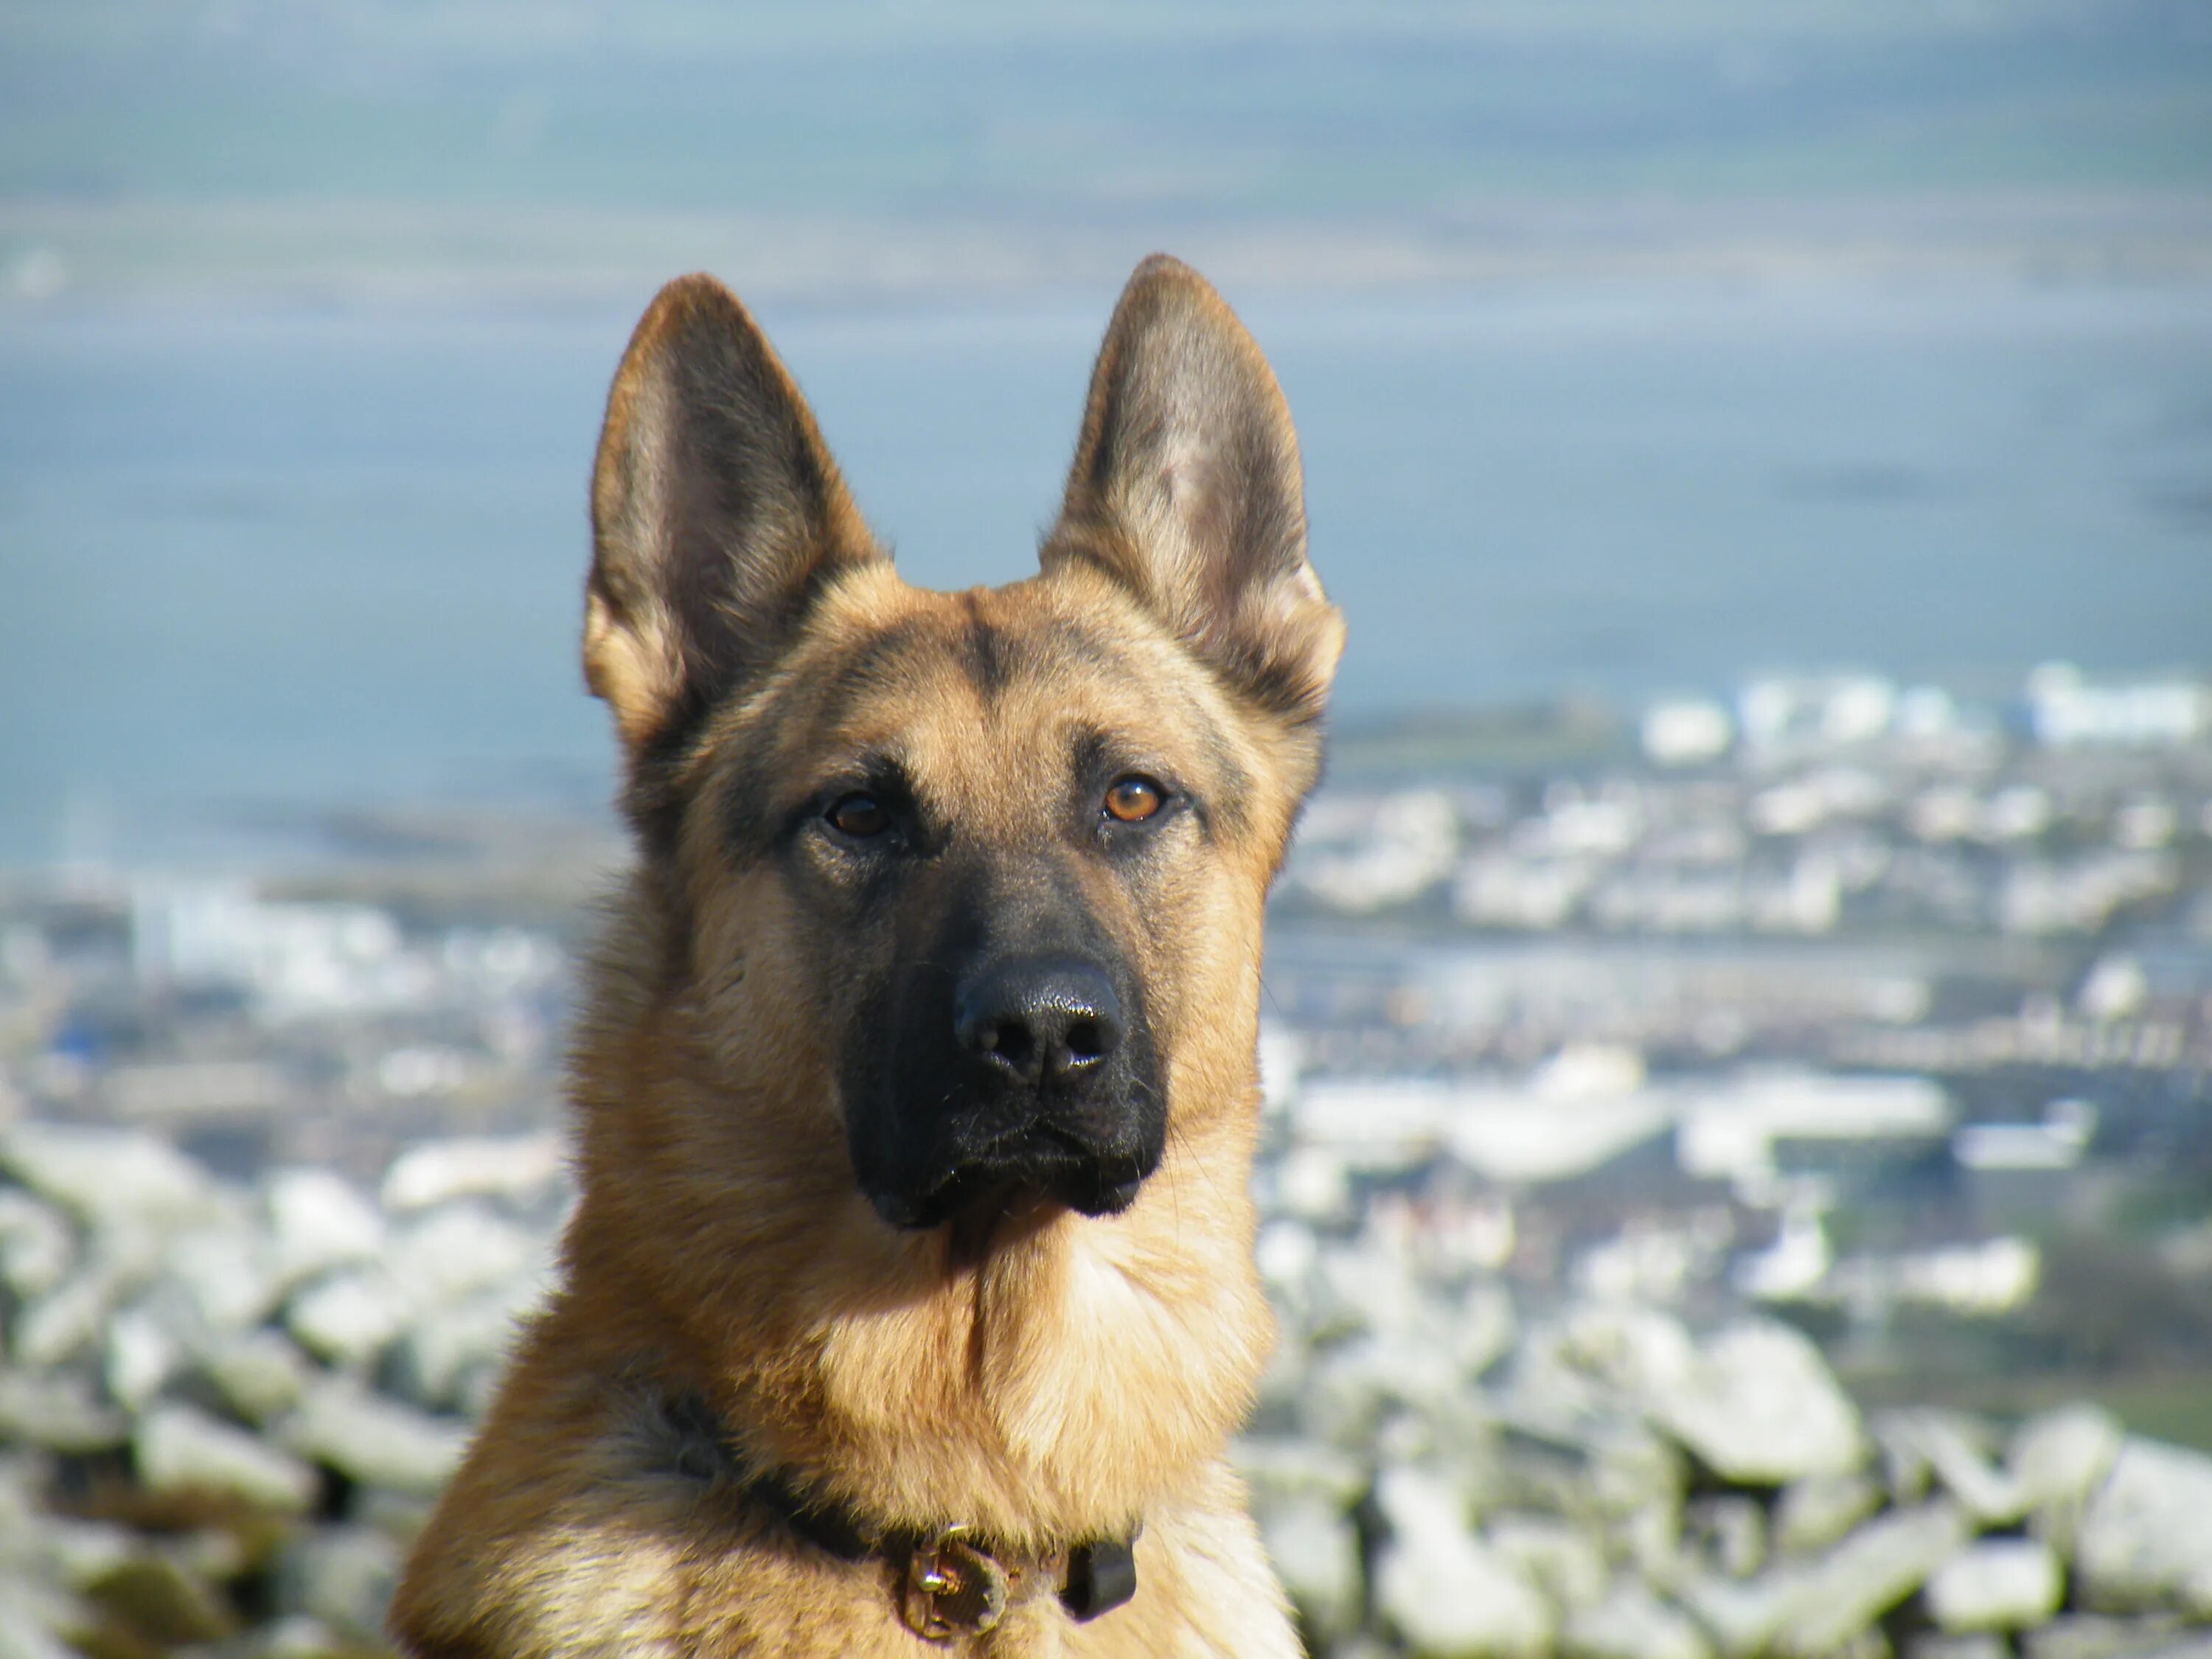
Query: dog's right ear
(1186, 490)
(717, 513)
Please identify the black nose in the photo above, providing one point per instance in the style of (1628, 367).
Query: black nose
(1038, 1018)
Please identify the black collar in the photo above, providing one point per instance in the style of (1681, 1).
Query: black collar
(952, 1580)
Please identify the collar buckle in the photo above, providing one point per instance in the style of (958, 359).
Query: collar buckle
(950, 1587)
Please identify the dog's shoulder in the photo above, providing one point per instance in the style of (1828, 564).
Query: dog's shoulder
(556, 1537)
(597, 1516)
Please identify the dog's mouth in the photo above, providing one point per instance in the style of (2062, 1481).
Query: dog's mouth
(1038, 1162)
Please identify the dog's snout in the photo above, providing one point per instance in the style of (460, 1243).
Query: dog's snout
(1039, 1019)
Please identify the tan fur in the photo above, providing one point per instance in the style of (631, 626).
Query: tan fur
(1048, 1377)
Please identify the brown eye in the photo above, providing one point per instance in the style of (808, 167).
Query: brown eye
(1132, 800)
(860, 816)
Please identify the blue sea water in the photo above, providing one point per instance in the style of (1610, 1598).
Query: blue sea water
(271, 562)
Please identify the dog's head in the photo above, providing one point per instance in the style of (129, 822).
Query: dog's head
(979, 873)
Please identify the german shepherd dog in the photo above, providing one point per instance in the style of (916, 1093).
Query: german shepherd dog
(908, 1302)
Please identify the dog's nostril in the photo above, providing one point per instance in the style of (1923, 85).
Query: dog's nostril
(1086, 1042)
(1011, 1041)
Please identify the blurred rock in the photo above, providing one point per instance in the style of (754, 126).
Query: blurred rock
(318, 1220)
(69, 1319)
(350, 1318)
(2059, 1458)
(179, 1448)
(226, 1274)
(1821, 1510)
(1953, 1452)
(1281, 1468)
(156, 1601)
(459, 1250)
(1559, 1558)
(32, 1618)
(1436, 1584)
(79, 1553)
(1317, 1554)
(448, 1358)
(520, 1167)
(37, 1246)
(1760, 1408)
(2095, 1636)
(142, 1356)
(258, 1374)
(2146, 1537)
(1625, 1349)
(57, 1412)
(110, 1177)
(375, 1441)
(1865, 1576)
(1935, 1644)
(343, 1578)
(1808, 1610)
(1728, 1531)
(1997, 1584)
(1631, 1622)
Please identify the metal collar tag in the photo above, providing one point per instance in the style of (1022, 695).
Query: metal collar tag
(951, 1587)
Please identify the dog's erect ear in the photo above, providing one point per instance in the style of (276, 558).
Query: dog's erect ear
(1185, 490)
(716, 514)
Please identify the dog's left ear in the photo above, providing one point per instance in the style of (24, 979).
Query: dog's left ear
(1185, 490)
(716, 514)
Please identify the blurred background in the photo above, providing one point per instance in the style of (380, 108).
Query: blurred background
(1739, 1174)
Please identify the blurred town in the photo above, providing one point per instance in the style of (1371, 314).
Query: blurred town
(1816, 1084)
